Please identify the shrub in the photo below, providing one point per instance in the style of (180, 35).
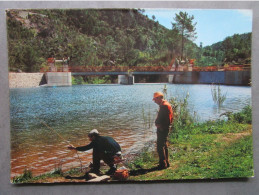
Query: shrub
(183, 118)
(245, 116)
(77, 80)
(27, 175)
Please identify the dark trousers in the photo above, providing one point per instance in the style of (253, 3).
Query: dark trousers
(98, 156)
(162, 147)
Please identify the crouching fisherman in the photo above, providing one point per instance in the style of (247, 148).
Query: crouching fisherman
(104, 148)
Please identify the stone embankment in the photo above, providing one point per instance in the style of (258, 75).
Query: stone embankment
(23, 80)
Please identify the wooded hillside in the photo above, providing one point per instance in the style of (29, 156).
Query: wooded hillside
(235, 49)
(102, 37)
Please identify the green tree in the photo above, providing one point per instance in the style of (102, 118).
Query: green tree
(227, 47)
(185, 26)
(126, 49)
(110, 48)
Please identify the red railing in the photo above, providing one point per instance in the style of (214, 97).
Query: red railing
(109, 69)
(142, 68)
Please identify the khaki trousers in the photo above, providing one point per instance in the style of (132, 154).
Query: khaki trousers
(162, 147)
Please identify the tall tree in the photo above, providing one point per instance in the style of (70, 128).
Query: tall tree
(185, 26)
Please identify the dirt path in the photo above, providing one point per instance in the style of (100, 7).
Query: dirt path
(232, 137)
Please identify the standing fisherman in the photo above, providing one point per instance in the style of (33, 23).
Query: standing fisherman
(104, 148)
(163, 122)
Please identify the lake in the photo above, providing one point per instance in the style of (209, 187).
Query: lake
(45, 120)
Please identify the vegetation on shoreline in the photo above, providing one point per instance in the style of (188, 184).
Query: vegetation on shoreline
(78, 80)
(27, 177)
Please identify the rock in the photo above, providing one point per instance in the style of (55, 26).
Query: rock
(101, 178)
(92, 175)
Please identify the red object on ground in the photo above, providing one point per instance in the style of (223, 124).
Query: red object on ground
(121, 174)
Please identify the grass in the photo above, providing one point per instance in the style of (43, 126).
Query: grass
(27, 177)
(235, 161)
(24, 178)
(202, 156)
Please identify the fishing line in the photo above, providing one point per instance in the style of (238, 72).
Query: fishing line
(53, 130)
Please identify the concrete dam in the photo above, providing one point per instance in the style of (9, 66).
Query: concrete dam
(19, 80)
(192, 77)
(217, 77)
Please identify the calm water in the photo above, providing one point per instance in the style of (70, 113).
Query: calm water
(115, 110)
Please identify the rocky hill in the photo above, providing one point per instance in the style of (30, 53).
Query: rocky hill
(88, 37)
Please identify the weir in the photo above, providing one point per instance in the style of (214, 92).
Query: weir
(58, 78)
(127, 78)
(210, 77)
(194, 77)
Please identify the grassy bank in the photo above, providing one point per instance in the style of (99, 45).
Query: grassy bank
(213, 149)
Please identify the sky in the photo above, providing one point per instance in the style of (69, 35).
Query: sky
(213, 25)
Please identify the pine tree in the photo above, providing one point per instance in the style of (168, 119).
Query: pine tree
(185, 26)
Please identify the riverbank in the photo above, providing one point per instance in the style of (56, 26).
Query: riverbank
(208, 150)
(26, 80)
(219, 156)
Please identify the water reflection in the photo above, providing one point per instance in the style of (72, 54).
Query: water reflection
(115, 110)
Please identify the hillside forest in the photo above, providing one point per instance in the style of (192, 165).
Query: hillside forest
(112, 37)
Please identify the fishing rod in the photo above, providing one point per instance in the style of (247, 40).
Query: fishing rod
(53, 130)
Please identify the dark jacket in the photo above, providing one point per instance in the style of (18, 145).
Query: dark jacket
(102, 144)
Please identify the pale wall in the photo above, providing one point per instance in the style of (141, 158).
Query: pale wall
(23, 80)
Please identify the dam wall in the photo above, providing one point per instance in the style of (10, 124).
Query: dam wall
(58, 78)
(26, 80)
(209, 77)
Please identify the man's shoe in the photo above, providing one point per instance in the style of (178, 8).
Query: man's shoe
(168, 164)
(111, 171)
(160, 167)
(95, 171)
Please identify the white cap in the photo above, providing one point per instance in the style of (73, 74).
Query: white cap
(94, 131)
